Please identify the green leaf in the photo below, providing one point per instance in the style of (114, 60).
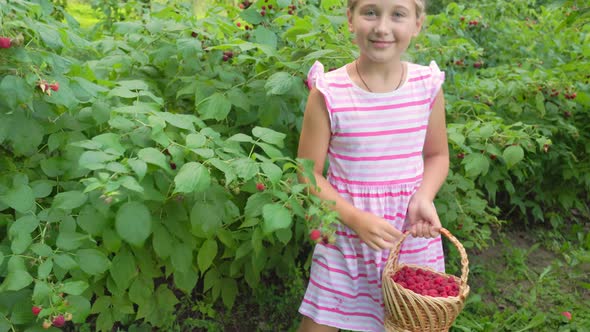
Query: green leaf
(69, 200)
(280, 83)
(207, 254)
(229, 290)
(512, 155)
(94, 160)
(246, 168)
(41, 249)
(91, 221)
(74, 287)
(183, 121)
(182, 257)
(26, 224)
(92, 261)
(270, 150)
(14, 90)
(216, 107)
(265, 36)
(186, 280)
(206, 218)
(476, 164)
(134, 223)
(123, 269)
(41, 291)
(20, 243)
(240, 138)
(251, 15)
(274, 172)
(45, 269)
(21, 198)
(80, 308)
(16, 280)
(68, 240)
(194, 141)
(269, 136)
(153, 156)
(163, 242)
(276, 216)
(65, 261)
(42, 188)
(192, 177)
(255, 204)
(138, 166)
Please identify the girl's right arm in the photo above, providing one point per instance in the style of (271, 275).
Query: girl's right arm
(313, 145)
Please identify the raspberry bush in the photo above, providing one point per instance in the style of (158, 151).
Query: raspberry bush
(153, 156)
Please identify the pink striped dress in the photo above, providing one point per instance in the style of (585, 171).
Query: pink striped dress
(375, 162)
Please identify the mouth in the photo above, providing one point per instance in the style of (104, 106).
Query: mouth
(381, 43)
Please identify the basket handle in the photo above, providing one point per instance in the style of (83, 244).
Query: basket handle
(394, 254)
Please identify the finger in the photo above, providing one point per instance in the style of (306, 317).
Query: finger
(420, 229)
(384, 244)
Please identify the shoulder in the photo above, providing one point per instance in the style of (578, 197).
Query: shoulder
(430, 71)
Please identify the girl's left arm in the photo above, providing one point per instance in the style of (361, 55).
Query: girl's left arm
(436, 151)
(422, 216)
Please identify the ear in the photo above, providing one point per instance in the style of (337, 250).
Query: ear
(419, 23)
(349, 17)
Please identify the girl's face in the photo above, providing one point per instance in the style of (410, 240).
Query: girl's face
(384, 28)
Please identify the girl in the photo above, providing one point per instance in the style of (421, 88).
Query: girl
(380, 121)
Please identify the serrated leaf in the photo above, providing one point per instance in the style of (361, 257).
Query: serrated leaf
(74, 287)
(206, 254)
(92, 261)
(163, 242)
(272, 171)
(512, 155)
(94, 160)
(65, 261)
(229, 291)
(196, 140)
(183, 121)
(123, 269)
(153, 156)
(16, 280)
(192, 177)
(69, 200)
(269, 136)
(91, 221)
(246, 168)
(280, 83)
(476, 164)
(182, 257)
(255, 204)
(276, 217)
(216, 107)
(206, 218)
(22, 198)
(133, 223)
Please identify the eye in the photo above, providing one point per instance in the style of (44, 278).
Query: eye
(370, 12)
(398, 14)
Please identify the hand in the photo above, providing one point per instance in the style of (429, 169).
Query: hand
(376, 232)
(422, 217)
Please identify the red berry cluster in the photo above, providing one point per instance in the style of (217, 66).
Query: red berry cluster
(570, 95)
(425, 282)
(473, 23)
(227, 55)
(245, 4)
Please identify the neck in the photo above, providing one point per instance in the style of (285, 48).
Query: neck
(379, 77)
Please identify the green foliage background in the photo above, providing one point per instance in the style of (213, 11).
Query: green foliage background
(128, 197)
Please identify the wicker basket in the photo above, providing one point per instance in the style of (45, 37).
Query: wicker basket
(406, 310)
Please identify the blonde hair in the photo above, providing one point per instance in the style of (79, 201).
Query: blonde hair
(420, 6)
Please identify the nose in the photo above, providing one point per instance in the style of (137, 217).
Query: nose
(381, 26)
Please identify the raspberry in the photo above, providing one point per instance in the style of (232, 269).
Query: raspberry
(54, 86)
(59, 321)
(260, 186)
(5, 42)
(36, 310)
(315, 234)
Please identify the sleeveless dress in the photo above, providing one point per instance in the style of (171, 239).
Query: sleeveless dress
(375, 162)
